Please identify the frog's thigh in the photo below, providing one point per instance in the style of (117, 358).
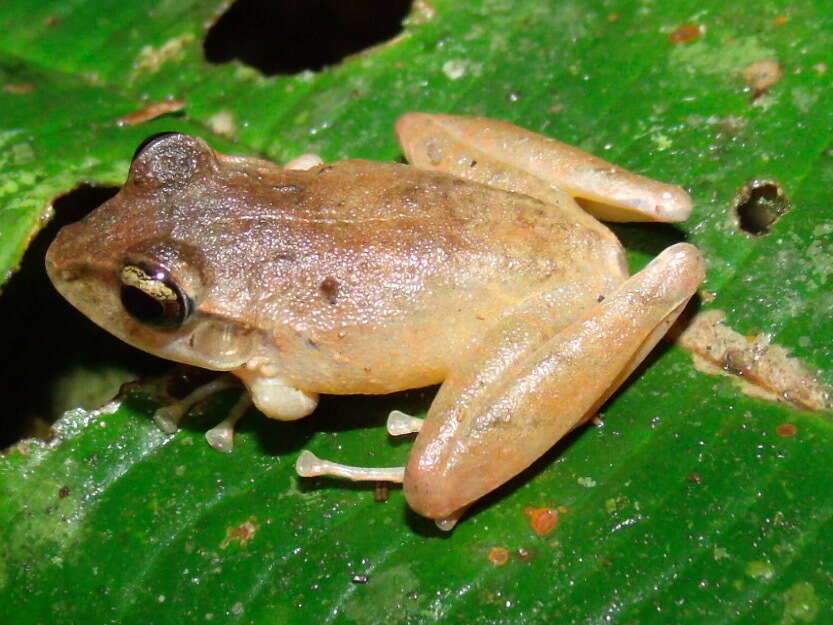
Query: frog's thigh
(477, 437)
(277, 399)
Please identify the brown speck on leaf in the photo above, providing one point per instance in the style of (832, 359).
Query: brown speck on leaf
(241, 534)
(781, 20)
(694, 477)
(786, 430)
(498, 556)
(686, 34)
(19, 88)
(63, 492)
(542, 520)
(151, 111)
(381, 492)
(524, 554)
(761, 76)
(762, 368)
(613, 17)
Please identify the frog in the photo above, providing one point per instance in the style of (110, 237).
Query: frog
(480, 265)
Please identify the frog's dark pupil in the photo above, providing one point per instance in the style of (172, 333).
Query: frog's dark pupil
(149, 296)
(142, 306)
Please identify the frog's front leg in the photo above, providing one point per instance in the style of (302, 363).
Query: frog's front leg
(482, 430)
(273, 396)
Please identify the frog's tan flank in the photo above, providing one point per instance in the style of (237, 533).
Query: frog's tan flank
(361, 277)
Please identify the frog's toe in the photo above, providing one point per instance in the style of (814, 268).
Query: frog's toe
(400, 423)
(168, 417)
(221, 436)
(447, 523)
(310, 465)
(304, 162)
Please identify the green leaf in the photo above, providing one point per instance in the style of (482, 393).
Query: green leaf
(686, 507)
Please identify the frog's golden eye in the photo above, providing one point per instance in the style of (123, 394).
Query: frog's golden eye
(151, 296)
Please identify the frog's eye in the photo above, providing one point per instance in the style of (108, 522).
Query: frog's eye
(151, 296)
(150, 141)
(167, 161)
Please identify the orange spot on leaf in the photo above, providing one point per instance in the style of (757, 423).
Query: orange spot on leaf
(542, 520)
(499, 556)
(686, 34)
(786, 430)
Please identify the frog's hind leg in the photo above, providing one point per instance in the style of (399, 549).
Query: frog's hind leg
(485, 428)
(508, 157)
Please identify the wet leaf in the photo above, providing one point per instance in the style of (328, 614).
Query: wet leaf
(694, 503)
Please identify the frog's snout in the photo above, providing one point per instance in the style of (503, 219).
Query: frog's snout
(57, 270)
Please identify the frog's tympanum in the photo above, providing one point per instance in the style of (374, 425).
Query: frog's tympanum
(479, 266)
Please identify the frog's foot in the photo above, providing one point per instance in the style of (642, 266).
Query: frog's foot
(400, 423)
(169, 417)
(310, 465)
(221, 436)
(304, 162)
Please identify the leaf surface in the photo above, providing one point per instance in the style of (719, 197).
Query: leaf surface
(686, 507)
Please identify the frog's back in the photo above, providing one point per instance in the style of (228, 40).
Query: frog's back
(373, 277)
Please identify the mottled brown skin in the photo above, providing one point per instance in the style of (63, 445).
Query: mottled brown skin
(363, 277)
(358, 277)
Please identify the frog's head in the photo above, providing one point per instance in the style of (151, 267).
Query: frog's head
(134, 265)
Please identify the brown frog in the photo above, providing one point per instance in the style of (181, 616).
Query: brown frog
(474, 267)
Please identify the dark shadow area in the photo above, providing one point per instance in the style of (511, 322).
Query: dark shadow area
(50, 348)
(291, 36)
(759, 204)
(647, 238)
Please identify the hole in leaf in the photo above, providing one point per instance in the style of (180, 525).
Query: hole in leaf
(56, 358)
(290, 36)
(759, 204)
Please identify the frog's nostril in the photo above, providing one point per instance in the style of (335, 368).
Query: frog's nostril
(68, 275)
(758, 205)
(312, 33)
